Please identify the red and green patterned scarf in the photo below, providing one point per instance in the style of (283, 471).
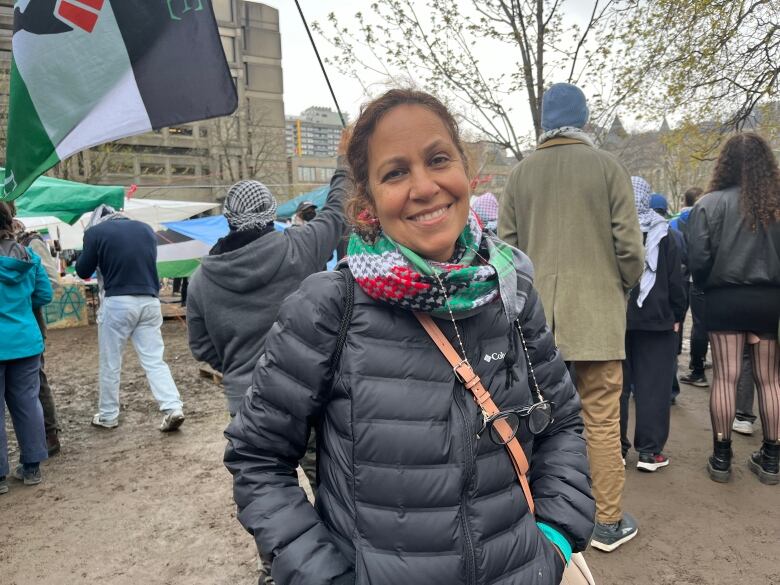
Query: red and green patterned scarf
(482, 270)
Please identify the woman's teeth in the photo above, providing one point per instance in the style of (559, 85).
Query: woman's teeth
(430, 216)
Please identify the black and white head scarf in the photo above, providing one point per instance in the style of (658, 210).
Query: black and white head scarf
(249, 204)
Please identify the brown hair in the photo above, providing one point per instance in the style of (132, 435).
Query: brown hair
(6, 219)
(359, 199)
(692, 195)
(747, 162)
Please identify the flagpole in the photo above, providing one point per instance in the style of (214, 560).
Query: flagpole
(322, 67)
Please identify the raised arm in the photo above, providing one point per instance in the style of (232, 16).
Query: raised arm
(317, 240)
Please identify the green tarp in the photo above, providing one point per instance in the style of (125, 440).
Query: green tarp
(66, 200)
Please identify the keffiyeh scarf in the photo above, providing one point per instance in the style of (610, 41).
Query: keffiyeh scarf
(249, 204)
(655, 228)
(481, 271)
(566, 132)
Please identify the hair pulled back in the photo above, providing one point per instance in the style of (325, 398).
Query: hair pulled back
(747, 161)
(360, 199)
(7, 212)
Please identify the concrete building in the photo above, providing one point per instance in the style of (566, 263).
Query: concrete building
(197, 161)
(316, 132)
(309, 172)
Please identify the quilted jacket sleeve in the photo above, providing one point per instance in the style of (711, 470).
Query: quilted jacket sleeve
(268, 436)
(560, 475)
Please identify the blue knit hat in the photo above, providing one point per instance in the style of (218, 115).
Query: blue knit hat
(659, 203)
(564, 105)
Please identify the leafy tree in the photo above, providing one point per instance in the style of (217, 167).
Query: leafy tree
(439, 43)
(713, 60)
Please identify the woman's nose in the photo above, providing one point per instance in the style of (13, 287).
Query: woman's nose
(423, 185)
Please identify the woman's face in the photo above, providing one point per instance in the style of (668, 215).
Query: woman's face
(418, 181)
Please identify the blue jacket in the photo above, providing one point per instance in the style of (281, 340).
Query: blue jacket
(24, 286)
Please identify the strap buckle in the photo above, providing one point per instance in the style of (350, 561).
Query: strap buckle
(460, 364)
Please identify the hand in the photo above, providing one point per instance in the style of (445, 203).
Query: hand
(346, 135)
(676, 327)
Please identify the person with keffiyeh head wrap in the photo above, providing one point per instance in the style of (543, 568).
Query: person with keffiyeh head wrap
(655, 310)
(233, 297)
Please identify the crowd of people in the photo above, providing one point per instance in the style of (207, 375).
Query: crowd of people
(458, 390)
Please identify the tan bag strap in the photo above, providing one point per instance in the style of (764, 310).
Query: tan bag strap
(465, 374)
(558, 142)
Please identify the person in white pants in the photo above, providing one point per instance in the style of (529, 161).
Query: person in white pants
(124, 253)
(136, 318)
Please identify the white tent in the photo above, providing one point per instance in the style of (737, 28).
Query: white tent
(151, 211)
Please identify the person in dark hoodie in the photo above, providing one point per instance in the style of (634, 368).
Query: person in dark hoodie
(235, 294)
(655, 310)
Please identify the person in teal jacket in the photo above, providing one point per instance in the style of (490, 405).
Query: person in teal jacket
(24, 286)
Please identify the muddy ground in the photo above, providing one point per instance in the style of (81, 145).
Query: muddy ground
(135, 506)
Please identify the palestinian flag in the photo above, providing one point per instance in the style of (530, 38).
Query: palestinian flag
(86, 72)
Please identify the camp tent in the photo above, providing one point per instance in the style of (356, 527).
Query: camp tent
(154, 212)
(66, 201)
(317, 196)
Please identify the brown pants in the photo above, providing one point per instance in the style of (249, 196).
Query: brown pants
(600, 385)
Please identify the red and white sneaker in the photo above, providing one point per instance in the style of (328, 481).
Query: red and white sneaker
(649, 462)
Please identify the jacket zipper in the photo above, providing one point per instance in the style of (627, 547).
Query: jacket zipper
(458, 393)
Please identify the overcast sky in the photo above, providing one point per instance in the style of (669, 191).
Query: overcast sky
(304, 84)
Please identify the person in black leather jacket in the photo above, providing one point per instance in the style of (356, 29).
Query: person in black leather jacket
(407, 490)
(734, 255)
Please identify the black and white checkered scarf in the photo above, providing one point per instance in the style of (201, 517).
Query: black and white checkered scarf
(249, 204)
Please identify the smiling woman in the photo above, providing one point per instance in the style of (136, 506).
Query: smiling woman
(406, 491)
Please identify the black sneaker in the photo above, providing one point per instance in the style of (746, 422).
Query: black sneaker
(3, 485)
(650, 462)
(607, 537)
(694, 379)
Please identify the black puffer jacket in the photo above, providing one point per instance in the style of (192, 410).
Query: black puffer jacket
(722, 249)
(407, 494)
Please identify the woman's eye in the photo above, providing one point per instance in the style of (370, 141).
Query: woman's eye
(394, 174)
(440, 159)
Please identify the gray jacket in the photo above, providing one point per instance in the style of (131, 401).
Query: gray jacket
(233, 298)
(406, 492)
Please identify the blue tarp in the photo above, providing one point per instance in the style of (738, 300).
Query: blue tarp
(318, 197)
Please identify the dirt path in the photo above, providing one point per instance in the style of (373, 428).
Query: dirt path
(136, 506)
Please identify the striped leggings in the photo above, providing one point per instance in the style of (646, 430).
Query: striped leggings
(727, 348)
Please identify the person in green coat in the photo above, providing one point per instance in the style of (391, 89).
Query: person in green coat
(570, 207)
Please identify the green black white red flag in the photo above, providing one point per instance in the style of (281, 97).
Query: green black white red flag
(86, 72)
